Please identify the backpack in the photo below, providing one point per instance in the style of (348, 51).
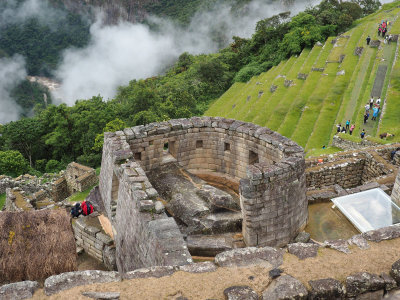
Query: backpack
(87, 208)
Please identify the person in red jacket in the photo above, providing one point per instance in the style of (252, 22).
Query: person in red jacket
(87, 208)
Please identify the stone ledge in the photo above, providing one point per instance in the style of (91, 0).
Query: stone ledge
(18, 290)
(57, 283)
(250, 256)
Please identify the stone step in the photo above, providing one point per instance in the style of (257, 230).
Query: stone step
(222, 222)
(211, 245)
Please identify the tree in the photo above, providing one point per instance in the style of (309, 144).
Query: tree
(24, 135)
(12, 163)
(368, 6)
(112, 126)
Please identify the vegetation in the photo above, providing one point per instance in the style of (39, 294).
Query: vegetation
(57, 135)
(81, 196)
(2, 200)
(309, 109)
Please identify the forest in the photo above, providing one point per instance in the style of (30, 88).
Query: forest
(57, 135)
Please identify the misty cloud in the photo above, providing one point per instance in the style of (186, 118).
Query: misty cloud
(12, 72)
(13, 11)
(120, 53)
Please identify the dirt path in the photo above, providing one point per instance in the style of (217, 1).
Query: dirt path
(329, 263)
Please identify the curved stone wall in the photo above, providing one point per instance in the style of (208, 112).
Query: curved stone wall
(270, 168)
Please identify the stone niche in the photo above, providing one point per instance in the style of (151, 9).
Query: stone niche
(270, 170)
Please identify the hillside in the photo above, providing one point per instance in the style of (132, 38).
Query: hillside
(307, 110)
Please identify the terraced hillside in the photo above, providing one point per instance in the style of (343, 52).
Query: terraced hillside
(305, 97)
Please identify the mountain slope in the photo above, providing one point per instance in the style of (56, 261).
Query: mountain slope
(337, 87)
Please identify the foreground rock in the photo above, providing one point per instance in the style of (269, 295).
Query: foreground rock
(266, 257)
(65, 281)
(327, 288)
(102, 296)
(339, 245)
(240, 293)
(385, 233)
(285, 287)
(157, 272)
(203, 267)
(217, 198)
(395, 271)
(209, 245)
(363, 282)
(303, 250)
(18, 290)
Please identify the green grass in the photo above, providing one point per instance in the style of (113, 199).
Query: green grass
(80, 196)
(2, 200)
(326, 151)
(308, 111)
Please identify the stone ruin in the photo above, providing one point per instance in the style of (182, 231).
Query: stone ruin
(29, 192)
(267, 167)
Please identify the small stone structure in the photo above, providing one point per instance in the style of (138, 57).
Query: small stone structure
(79, 177)
(94, 240)
(270, 169)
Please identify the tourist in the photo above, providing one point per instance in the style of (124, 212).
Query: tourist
(371, 102)
(76, 210)
(368, 39)
(344, 129)
(375, 114)
(87, 208)
(378, 101)
(365, 118)
(379, 30)
(347, 124)
(366, 107)
(383, 32)
(362, 134)
(351, 129)
(338, 126)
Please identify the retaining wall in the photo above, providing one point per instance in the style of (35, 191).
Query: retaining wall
(396, 190)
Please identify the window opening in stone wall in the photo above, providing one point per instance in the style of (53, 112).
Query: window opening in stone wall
(227, 147)
(138, 156)
(151, 143)
(199, 144)
(166, 147)
(115, 188)
(253, 158)
(172, 148)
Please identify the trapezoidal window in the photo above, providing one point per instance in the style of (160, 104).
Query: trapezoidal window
(227, 147)
(138, 156)
(114, 188)
(253, 157)
(199, 144)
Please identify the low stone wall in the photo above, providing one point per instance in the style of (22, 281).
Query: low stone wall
(350, 169)
(344, 144)
(59, 190)
(95, 242)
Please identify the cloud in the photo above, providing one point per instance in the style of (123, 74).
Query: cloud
(122, 52)
(15, 11)
(12, 72)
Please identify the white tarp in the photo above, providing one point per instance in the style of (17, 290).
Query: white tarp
(369, 210)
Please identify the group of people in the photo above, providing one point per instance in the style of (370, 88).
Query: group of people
(85, 208)
(374, 107)
(382, 28)
(344, 129)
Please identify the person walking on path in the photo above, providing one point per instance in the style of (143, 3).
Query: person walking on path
(367, 107)
(383, 32)
(347, 124)
(375, 114)
(365, 118)
(368, 39)
(379, 30)
(378, 101)
(362, 134)
(371, 102)
(338, 127)
(351, 129)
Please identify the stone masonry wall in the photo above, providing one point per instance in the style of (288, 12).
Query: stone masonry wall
(272, 191)
(396, 190)
(144, 235)
(344, 144)
(96, 243)
(79, 177)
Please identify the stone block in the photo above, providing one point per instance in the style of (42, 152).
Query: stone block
(157, 272)
(250, 256)
(57, 283)
(363, 282)
(327, 288)
(146, 205)
(302, 250)
(104, 238)
(285, 287)
(91, 230)
(203, 267)
(18, 290)
(102, 295)
(240, 293)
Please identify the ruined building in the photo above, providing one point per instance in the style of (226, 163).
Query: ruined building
(268, 168)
